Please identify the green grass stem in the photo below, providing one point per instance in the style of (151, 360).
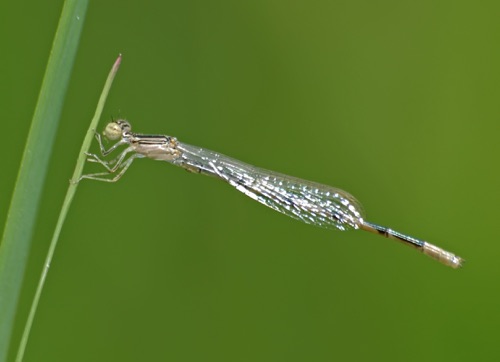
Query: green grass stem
(65, 207)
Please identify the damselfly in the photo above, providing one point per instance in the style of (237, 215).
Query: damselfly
(307, 201)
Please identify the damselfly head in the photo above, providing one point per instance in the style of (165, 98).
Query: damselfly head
(114, 130)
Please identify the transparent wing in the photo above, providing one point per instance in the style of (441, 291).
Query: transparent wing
(307, 201)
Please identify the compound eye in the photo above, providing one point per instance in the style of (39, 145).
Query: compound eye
(113, 131)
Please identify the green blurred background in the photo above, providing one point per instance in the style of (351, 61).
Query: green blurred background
(395, 101)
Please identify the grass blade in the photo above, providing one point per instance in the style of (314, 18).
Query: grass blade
(16, 241)
(64, 210)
